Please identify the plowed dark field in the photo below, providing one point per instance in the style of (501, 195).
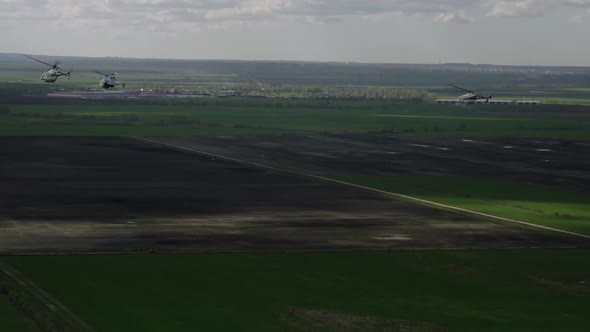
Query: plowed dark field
(84, 194)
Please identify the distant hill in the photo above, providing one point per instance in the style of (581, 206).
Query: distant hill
(308, 73)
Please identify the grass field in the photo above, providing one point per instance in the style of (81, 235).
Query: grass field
(10, 320)
(509, 290)
(543, 206)
(241, 116)
(521, 290)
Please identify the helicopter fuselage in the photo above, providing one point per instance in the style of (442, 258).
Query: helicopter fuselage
(468, 96)
(471, 98)
(51, 75)
(108, 82)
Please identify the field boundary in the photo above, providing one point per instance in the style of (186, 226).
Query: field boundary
(36, 305)
(389, 193)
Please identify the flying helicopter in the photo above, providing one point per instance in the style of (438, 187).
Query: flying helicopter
(52, 74)
(470, 96)
(109, 80)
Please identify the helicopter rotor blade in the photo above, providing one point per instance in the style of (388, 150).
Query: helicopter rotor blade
(103, 74)
(43, 62)
(460, 88)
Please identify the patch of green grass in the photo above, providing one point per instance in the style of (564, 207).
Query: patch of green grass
(543, 206)
(515, 290)
(245, 116)
(10, 320)
(450, 117)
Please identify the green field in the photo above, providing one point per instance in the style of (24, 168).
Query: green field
(543, 206)
(522, 290)
(10, 320)
(505, 290)
(247, 116)
(410, 291)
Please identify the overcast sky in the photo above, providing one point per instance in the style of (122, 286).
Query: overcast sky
(529, 32)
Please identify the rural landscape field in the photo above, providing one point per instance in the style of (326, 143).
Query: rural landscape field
(342, 202)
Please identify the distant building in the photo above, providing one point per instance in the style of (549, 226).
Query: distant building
(447, 101)
(496, 102)
(528, 102)
(491, 102)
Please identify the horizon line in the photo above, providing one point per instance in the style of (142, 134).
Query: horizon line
(305, 61)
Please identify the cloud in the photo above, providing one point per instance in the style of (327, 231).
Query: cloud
(581, 16)
(456, 18)
(203, 11)
(578, 3)
(220, 12)
(517, 8)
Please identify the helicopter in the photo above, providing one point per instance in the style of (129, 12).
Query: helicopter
(52, 74)
(109, 80)
(470, 96)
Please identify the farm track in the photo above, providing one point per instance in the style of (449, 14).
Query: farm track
(54, 311)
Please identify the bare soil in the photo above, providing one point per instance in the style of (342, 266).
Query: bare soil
(555, 163)
(109, 194)
(322, 320)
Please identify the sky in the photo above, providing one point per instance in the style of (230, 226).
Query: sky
(517, 32)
